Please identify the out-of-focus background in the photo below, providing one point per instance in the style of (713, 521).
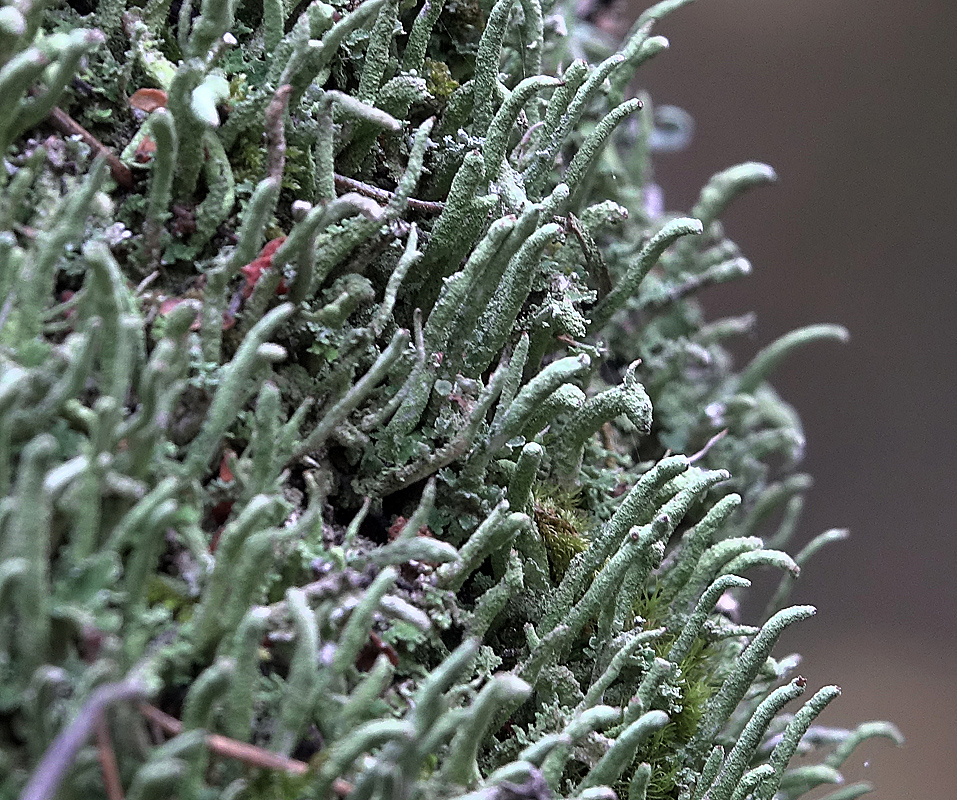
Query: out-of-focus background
(854, 102)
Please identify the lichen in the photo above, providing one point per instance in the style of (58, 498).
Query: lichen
(360, 431)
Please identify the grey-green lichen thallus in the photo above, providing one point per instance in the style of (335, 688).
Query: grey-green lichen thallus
(360, 431)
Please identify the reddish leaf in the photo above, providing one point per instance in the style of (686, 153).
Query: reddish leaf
(225, 473)
(372, 649)
(254, 269)
(148, 100)
(144, 150)
(172, 302)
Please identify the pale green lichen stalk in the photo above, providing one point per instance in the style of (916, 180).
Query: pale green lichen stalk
(360, 434)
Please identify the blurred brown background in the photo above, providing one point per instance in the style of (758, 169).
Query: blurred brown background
(854, 102)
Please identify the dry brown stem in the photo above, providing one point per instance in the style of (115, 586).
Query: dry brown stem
(233, 748)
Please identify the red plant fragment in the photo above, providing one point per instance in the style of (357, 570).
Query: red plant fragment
(253, 271)
(144, 150)
(170, 303)
(225, 473)
(400, 522)
(372, 649)
(148, 100)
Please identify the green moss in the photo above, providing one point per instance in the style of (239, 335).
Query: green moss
(439, 79)
(562, 525)
(697, 677)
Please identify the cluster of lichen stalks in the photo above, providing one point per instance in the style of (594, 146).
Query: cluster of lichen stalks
(380, 508)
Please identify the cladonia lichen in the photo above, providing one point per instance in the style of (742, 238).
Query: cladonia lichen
(361, 433)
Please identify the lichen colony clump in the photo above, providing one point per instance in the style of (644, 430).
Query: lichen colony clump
(360, 431)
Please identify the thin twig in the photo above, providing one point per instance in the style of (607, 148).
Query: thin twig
(708, 445)
(60, 755)
(241, 751)
(594, 261)
(275, 132)
(107, 758)
(352, 185)
(68, 126)
(25, 230)
(141, 286)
